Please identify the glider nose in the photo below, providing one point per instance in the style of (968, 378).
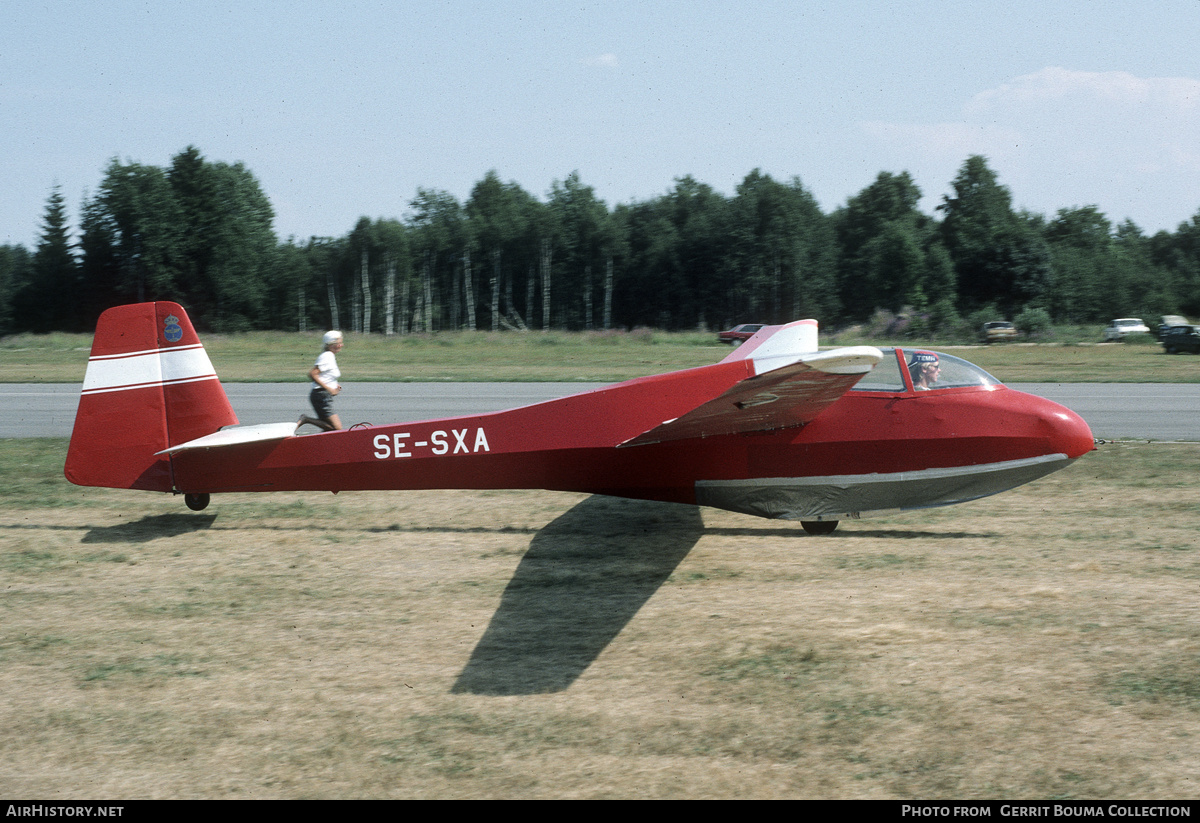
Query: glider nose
(1069, 434)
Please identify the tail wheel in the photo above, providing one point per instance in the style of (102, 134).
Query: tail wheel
(198, 502)
(819, 526)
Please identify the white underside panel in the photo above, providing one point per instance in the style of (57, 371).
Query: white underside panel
(846, 496)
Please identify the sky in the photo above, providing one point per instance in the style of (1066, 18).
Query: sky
(343, 110)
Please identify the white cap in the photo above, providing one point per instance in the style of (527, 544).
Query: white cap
(331, 337)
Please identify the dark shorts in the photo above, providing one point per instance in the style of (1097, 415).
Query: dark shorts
(322, 403)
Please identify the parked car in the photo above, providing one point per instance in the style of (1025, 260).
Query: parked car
(1122, 327)
(1181, 338)
(997, 330)
(1167, 321)
(739, 334)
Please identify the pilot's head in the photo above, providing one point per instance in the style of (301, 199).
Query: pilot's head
(924, 368)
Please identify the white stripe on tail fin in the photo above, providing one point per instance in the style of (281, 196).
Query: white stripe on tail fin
(149, 386)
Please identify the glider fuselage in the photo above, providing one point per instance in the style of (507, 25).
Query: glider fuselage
(776, 429)
(869, 450)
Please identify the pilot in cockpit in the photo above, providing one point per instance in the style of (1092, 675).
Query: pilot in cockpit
(924, 369)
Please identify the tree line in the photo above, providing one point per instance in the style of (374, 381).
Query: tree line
(200, 233)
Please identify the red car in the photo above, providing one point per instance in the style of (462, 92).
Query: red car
(738, 334)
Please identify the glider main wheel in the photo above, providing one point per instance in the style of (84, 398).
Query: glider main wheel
(196, 502)
(819, 526)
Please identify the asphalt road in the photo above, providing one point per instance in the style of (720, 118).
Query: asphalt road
(1115, 411)
(1150, 411)
(48, 409)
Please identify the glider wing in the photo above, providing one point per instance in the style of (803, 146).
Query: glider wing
(786, 396)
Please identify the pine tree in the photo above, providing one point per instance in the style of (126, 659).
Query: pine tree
(49, 301)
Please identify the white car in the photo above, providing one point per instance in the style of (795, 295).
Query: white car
(1122, 326)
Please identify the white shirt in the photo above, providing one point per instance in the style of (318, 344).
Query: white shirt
(327, 370)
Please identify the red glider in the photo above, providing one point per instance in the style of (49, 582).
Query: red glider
(777, 429)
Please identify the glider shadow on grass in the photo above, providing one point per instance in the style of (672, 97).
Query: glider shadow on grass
(151, 527)
(585, 576)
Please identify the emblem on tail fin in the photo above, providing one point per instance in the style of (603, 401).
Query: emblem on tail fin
(172, 331)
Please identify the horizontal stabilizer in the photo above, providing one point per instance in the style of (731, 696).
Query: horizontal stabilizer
(785, 397)
(236, 436)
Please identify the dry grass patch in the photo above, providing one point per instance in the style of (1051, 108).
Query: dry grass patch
(1042, 643)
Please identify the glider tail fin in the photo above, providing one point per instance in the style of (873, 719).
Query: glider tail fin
(149, 386)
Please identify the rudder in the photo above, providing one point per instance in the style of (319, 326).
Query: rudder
(149, 386)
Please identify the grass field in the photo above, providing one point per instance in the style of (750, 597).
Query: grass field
(1044, 643)
(561, 356)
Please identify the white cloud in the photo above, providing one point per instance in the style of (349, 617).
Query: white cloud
(1128, 122)
(1055, 84)
(1060, 138)
(608, 60)
(956, 139)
